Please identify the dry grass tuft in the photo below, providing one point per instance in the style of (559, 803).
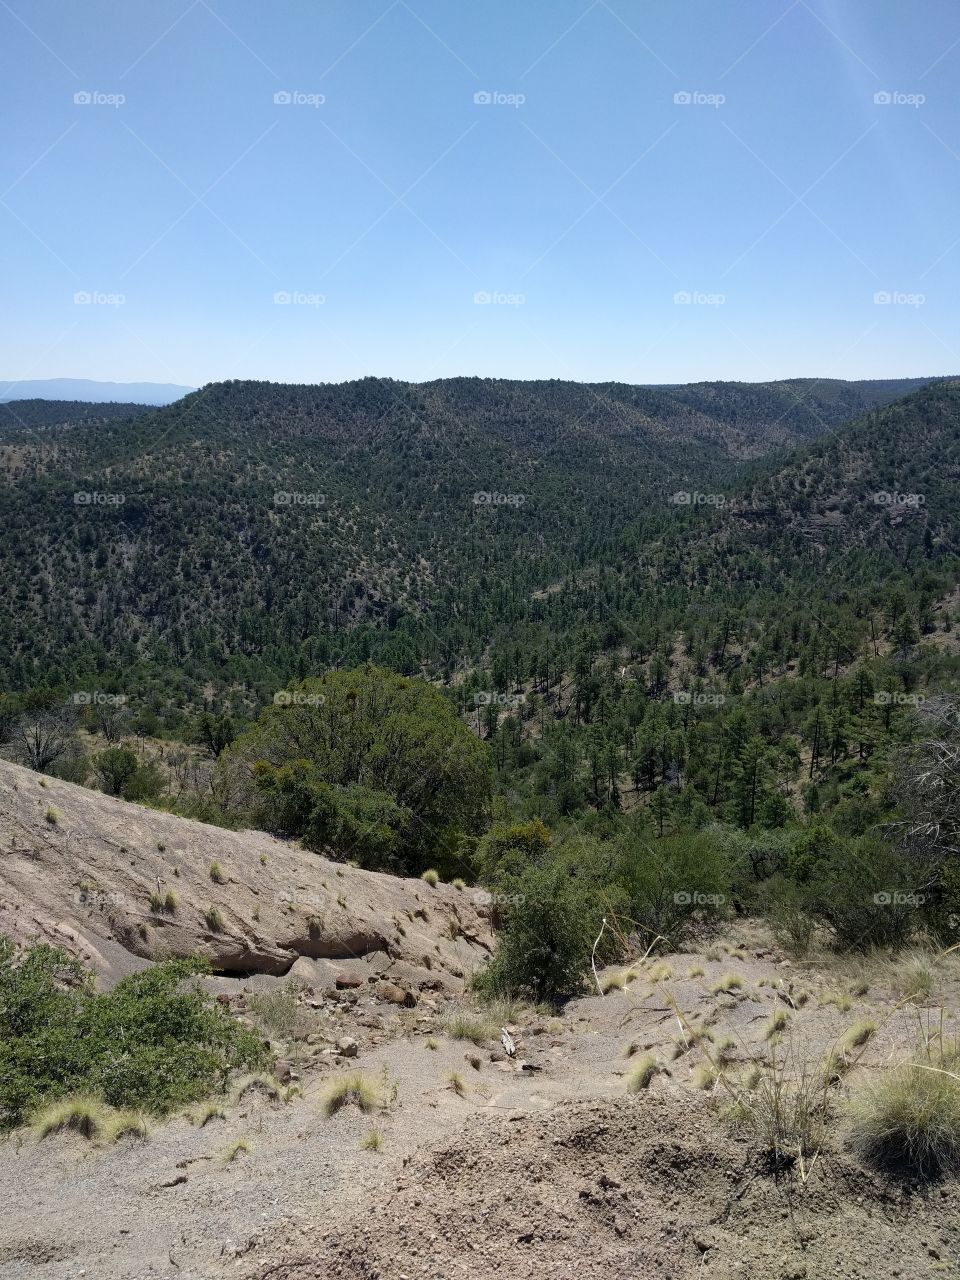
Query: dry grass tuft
(641, 1073)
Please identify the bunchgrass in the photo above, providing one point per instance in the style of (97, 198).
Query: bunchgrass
(354, 1089)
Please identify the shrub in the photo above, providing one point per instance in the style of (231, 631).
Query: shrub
(217, 873)
(367, 759)
(675, 883)
(786, 1106)
(907, 1119)
(432, 877)
(148, 1044)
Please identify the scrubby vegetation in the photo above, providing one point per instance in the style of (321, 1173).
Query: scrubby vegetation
(154, 1043)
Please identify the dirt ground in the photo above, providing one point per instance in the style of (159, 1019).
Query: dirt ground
(542, 1164)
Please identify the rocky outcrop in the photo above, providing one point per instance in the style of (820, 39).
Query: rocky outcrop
(119, 886)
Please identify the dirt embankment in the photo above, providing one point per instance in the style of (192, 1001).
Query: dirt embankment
(120, 885)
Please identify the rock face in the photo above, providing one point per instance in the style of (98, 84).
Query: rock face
(120, 886)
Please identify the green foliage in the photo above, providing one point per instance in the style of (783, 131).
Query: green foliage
(154, 1042)
(367, 764)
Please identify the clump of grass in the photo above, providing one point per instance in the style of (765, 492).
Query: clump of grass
(431, 1043)
(907, 1120)
(612, 982)
(787, 1107)
(705, 1077)
(914, 977)
(431, 877)
(455, 1081)
(206, 1114)
(696, 971)
(459, 884)
(840, 1059)
(372, 1141)
(354, 1089)
(641, 1073)
(214, 919)
(842, 999)
(714, 952)
(239, 1148)
(729, 982)
(474, 1061)
(52, 817)
(263, 859)
(90, 1117)
(691, 1037)
(724, 1050)
(660, 973)
(465, 1026)
(751, 1077)
(170, 902)
(156, 903)
(778, 1020)
(268, 1084)
(217, 873)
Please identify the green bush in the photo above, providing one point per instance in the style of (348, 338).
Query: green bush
(674, 884)
(372, 765)
(152, 1043)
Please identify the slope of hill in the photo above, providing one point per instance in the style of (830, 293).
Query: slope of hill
(118, 886)
(253, 531)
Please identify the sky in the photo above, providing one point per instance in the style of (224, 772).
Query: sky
(319, 190)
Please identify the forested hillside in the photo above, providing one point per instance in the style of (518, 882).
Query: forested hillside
(636, 594)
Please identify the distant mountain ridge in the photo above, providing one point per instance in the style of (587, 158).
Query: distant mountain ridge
(85, 389)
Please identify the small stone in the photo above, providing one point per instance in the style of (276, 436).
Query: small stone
(348, 981)
(347, 1047)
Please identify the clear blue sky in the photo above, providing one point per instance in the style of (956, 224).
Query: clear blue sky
(584, 209)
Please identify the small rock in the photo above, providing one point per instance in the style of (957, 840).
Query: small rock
(283, 1071)
(393, 994)
(223, 999)
(348, 981)
(348, 1047)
